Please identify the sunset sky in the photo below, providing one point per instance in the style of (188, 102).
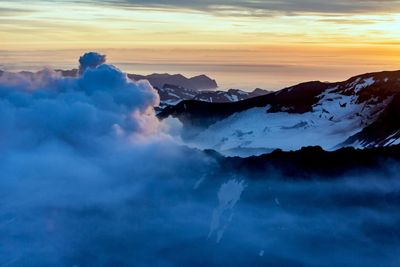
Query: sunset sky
(274, 42)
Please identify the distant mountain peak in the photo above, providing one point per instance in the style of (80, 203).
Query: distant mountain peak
(201, 82)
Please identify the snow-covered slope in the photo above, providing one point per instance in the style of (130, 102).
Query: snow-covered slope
(335, 115)
(333, 119)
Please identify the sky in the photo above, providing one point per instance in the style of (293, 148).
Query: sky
(91, 177)
(241, 43)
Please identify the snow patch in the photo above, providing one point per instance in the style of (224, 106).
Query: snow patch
(228, 195)
(365, 83)
(231, 98)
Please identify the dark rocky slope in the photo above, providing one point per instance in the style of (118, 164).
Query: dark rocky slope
(312, 163)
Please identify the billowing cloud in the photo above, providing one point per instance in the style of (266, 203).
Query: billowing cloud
(88, 178)
(76, 149)
(90, 60)
(98, 102)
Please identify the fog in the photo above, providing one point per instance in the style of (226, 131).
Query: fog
(90, 177)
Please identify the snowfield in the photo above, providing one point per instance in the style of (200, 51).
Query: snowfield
(332, 120)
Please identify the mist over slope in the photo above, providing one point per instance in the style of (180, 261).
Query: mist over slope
(90, 177)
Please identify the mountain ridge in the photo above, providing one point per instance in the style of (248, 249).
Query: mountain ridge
(361, 111)
(310, 162)
(199, 82)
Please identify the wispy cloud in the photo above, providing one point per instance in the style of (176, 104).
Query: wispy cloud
(264, 7)
(6, 11)
(134, 24)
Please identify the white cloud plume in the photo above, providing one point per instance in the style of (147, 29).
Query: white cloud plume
(45, 105)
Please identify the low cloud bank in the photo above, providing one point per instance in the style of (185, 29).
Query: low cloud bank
(75, 150)
(90, 177)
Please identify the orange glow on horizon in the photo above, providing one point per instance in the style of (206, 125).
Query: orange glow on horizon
(225, 39)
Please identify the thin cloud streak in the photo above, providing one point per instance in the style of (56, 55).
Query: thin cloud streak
(266, 7)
